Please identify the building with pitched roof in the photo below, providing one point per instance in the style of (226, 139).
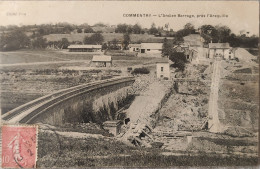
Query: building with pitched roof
(151, 48)
(163, 69)
(134, 47)
(85, 48)
(193, 40)
(101, 61)
(220, 50)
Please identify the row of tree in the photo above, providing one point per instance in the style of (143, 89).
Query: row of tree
(16, 38)
(137, 29)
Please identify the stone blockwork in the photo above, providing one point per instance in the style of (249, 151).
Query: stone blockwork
(76, 105)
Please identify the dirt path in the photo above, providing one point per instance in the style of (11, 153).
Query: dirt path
(214, 123)
(147, 103)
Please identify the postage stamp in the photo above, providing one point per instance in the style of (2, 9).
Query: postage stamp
(19, 146)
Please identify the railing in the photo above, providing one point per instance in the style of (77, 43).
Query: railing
(43, 103)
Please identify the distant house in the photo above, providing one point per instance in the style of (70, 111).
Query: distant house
(220, 50)
(181, 47)
(151, 48)
(115, 45)
(193, 40)
(163, 69)
(101, 61)
(190, 53)
(134, 47)
(85, 48)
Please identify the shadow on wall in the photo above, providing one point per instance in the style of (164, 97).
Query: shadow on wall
(105, 107)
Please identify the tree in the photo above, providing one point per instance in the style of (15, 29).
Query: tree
(167, 47)
(233, 40)
(100, 24)
(223, 33)
(188, 29)
(104, 46)
(129, 29)
(88, 30)
(114, 43)
(178, 38)
(16, 39)
(209, 33)
(79, 30)
(95, 39)
(126, 41)
(121, 28)
(64, 43)
(179, 60)
(137, 29)
(153, 30)
(189, 26)
(39, 42)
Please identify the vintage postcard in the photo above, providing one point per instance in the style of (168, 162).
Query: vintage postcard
(129, 84)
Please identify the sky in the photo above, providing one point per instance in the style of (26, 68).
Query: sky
(238, 15)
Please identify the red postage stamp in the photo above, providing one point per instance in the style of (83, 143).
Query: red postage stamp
(19, 146)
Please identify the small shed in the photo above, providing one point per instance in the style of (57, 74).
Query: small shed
(163, 69)
(102, 61)
(113, 127)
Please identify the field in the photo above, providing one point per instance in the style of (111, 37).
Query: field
(239, 96)
(30, 56)
(107, 37)
(29, 74)
(55, 149)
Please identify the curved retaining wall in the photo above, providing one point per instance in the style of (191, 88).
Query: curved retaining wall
(68, 105)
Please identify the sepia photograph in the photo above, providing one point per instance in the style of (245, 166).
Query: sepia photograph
(129, 84)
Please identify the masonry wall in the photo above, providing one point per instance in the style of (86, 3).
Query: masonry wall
(78, 108)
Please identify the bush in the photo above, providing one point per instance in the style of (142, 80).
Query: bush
(142, 70)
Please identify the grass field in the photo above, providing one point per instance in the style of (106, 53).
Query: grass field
(58, 151)
(30, 56)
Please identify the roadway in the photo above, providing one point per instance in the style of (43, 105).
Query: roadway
(214, 123)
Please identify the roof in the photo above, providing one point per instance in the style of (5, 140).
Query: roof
(194, 48)
(192, 37)
(85, 46)
(134, 45)
(193, 40)
(151, 45)
(163, 60)
(114, 123)
(219, 46)
(101, 58)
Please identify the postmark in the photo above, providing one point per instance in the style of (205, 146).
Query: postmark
(19, 146)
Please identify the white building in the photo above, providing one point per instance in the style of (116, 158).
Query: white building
(101, 61)
(151, 48)
(163, 69)
(134, 47)
(220, 50)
